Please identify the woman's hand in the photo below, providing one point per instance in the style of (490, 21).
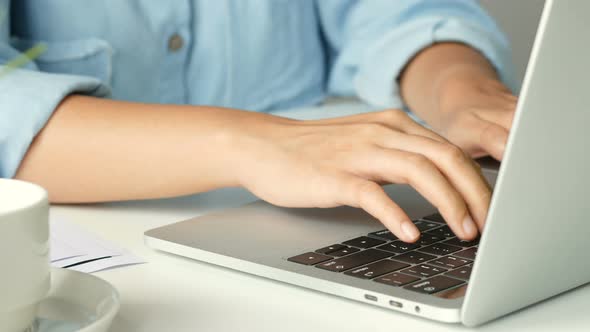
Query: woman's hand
(457, 91)
(343, 161)
(477, 116)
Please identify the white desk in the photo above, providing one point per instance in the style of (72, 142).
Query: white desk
(172, 293)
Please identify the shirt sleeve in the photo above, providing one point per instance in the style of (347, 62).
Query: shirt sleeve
(371, 41)
(28, 98)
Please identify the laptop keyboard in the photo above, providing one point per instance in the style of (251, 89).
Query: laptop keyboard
(438, 261)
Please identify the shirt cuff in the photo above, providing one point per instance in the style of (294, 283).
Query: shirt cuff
(28, 101)
(376, 81)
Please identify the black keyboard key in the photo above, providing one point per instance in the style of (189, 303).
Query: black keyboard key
(461, 243)
(434, 285)
(424, 225)
(376, 269)
(332, 248)
(354, 260)
(399, 247)
(384, 235)
(414, 257)
(396, 279)
(428, 239)
(363, 242)
(436, 218)
(442, 231)
(309, 258)
(424, 270)
(344, 251)
(450, 262)
(440, 249)
(468, 253)
(462, 273)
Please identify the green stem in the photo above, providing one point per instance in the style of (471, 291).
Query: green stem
(21, 60)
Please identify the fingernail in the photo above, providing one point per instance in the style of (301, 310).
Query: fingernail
(469, 227)
(410, 230)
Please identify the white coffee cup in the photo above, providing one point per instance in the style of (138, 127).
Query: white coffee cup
(24, 253)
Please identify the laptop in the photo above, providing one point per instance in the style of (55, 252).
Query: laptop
(535, 242)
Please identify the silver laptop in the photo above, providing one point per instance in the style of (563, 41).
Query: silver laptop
(535, 244)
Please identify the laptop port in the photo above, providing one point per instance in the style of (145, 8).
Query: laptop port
(371, 297)
(396, 304)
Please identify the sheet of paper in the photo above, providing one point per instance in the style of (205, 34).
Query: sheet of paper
(60, 250)
(75, 248)
(108, 263)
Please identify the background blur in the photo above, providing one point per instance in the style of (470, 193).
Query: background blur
(519, 19)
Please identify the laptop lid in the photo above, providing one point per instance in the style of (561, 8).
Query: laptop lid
(534, 244)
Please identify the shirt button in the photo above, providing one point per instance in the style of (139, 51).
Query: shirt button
(175, 42)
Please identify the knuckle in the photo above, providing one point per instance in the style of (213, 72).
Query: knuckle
(365, 190)
(490, 136)
(453, 154)
(417, 159)
(487, 132)
(418, 163)
(491, 131)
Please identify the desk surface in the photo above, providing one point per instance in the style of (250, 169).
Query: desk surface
(172, 293)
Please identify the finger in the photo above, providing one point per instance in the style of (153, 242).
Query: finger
(503, 118)
(479, 136)
(463, 174)
(370, 197)
(492, 138)
(422, 174)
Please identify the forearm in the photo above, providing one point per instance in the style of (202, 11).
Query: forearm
(95, 150)
(445, 76)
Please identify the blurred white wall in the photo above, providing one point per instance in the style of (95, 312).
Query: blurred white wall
(519, 20)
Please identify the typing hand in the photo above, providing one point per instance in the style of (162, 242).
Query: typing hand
(479, 120)
(343, 161)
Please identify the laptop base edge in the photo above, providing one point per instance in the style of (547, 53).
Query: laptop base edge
(384, 301)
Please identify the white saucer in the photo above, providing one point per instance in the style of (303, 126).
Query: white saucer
(77, 302)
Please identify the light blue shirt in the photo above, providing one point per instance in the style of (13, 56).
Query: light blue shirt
(250, 54)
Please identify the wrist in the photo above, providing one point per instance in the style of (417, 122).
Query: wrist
(222, 137)
(252, 141)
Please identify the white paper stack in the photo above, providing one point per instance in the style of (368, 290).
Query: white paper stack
(74, 248)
